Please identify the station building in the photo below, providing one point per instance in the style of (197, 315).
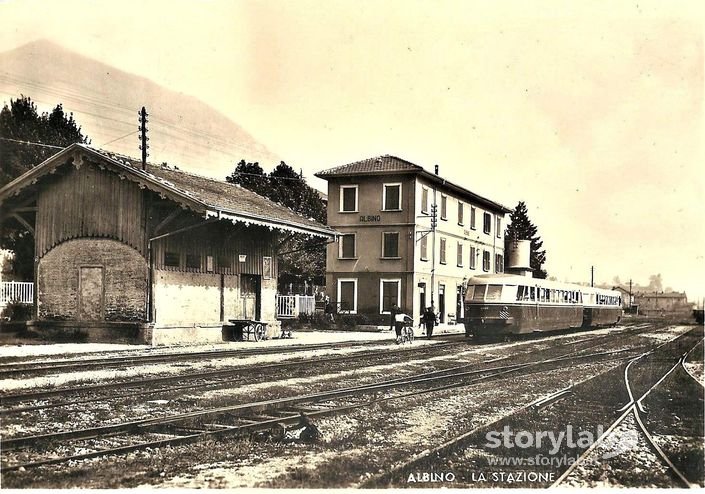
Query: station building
(152, 254)
(389, 252)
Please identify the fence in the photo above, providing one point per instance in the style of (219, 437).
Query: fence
(290, 306)
(16, 291)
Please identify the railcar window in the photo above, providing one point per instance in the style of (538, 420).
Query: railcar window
(520, 293)
(565, 296)
(479, 292)
(494, 292)
(469, 292)
(532, 293)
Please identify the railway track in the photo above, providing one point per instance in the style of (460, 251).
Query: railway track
(464, 449)
(700, 362)
(14, 368)
(68, 396)
(32, 368)
(201, 380)
(635, 410)
(28, 452)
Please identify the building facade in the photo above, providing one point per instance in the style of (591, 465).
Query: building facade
(149, 254)
(655, 303)
(408, 238)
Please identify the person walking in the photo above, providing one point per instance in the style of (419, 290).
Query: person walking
(394, 323)
(328, 309)
(429, 319)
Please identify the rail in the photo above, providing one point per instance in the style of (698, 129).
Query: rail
(290, 306)
(16, 291)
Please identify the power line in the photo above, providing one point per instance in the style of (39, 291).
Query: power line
(126, 135)
(268, 177)
(29, 143)
(80, 97)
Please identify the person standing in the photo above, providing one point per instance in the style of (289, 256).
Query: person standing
(429, 319)
(394, 319)
(328, 309)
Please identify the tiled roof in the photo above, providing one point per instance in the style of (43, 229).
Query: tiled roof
(379, 164)
(224, 196)
(392, 164)
(214, 197)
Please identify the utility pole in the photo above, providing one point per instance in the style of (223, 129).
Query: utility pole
(143, 136)
(434, 223)
(149, 309)
(630, 295)
(592, 275)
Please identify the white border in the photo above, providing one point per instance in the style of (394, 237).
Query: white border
(381, 293)
(354, 280)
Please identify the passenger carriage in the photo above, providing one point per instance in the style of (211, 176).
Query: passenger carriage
(503, 304)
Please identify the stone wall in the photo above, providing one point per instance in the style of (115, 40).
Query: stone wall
(124, 279)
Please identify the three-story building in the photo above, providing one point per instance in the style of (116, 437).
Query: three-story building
(408, 238)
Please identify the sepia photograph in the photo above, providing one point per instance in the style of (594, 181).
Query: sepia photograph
(352, 244)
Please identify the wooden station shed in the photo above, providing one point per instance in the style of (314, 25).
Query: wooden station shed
(153, 255)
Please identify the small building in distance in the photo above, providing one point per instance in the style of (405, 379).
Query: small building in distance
(627, 298)
(153, 255)
(658, 303)
(389, 252)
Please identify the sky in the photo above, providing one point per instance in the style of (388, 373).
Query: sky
(591, 112)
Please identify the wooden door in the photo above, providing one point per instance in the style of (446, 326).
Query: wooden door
(91, 294)
(250, 296)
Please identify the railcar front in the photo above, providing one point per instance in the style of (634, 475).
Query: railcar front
(499, 305)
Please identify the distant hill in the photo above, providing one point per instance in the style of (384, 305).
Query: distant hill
(183, 130)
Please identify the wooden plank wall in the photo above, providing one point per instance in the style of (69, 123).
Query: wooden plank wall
(89, 202)
(219, 242)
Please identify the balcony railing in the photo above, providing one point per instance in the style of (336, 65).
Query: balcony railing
(21, 292)
(290, 306)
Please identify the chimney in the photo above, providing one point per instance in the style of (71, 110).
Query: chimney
(436, 169)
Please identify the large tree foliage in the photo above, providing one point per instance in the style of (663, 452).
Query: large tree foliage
(302, 258)
(250, 176)
(521, 228)
(20, 121)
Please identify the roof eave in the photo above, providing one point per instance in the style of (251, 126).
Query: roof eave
(270, 223)
(482, 200)
(326, 176)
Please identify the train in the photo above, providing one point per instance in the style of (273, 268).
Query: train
(500, 305)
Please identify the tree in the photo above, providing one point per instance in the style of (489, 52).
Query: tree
(22, 122)
(303, 258)
(250, 176)
(521, 228)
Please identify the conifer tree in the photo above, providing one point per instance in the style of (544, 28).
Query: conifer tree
(521, 228)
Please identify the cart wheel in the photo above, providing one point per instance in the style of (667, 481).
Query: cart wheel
(259, 332)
